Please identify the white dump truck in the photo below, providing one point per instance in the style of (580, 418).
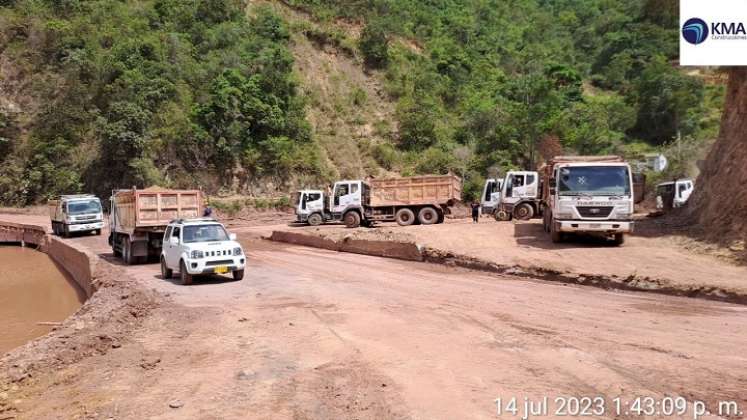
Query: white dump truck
(587, 194)
(519, 197)
(419, 199)
(76, 214)
(408, 200)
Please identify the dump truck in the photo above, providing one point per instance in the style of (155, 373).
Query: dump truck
(76, 214)
(139, 218)
(519, 196)
(408, 200)
(589, 195)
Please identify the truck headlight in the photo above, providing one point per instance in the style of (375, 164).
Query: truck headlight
(623, 211)
(197, 255)
(237, 251)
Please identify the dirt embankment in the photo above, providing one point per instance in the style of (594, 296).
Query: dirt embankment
(115, 307)
(719, 203)
(659, 264)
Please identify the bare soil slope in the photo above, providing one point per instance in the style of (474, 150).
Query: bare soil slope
(720, 199)
(349, 109)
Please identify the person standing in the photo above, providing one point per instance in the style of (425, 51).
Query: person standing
(475, 212)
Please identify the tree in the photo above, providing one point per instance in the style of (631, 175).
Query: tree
(374, 45)
(668, 102)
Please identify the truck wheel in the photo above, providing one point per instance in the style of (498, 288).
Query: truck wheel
(404, 217)
(441, 217)
(98, 232)
(352, 219)
(126, 251)
(502, 216)
(428, 216)
(555, 234)
(315, 219)
(619, 239)
(65, 232)
(184, 276)
(238, 275)
(523, 211)
(166, 272)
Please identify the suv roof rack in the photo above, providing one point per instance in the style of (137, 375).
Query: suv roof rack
(197, 219)
(74, 196)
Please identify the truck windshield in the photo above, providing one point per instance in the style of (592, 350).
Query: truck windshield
(594, 180)
(83, 207)
(204, 233)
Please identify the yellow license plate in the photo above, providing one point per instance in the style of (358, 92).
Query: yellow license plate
(221, 270)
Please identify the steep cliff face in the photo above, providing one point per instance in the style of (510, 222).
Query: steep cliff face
(719, 203)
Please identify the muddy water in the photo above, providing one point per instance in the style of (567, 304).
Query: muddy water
(33, 290)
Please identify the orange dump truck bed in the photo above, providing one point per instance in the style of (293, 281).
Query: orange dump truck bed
(417, 190)
(155, 206)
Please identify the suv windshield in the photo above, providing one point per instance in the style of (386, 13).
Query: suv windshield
(83, 207)
(594, 180)
(204, 233)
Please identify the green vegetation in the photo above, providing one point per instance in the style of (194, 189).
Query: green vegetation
(498, 77)
(158, 91)
(200, 92)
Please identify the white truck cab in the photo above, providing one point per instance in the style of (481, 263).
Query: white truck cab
(200, 246)
(516, 195)
(75, 214)
(593, 197)
(311, 207)
(346, 194)
(519, 196)
(674, 194)
(491, 195)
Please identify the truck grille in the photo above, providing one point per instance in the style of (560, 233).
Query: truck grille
(219, 262)
(84, 218)
(594, 211)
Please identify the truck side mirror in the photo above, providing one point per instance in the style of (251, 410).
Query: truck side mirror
(232, 236)
(553, 183)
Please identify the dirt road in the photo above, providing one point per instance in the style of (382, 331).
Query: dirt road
(313, 334)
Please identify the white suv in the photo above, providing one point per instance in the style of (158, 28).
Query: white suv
(200, 246)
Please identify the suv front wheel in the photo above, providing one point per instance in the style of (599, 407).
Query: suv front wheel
(166, 272)
(238, 275)
(184, 276)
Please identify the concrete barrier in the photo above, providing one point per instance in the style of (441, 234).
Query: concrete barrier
(78, 263)
(305, 240)
(399, 250)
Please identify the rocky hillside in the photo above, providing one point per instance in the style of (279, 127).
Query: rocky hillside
(720, 199)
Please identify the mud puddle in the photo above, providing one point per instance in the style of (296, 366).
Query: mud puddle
(34, 294)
